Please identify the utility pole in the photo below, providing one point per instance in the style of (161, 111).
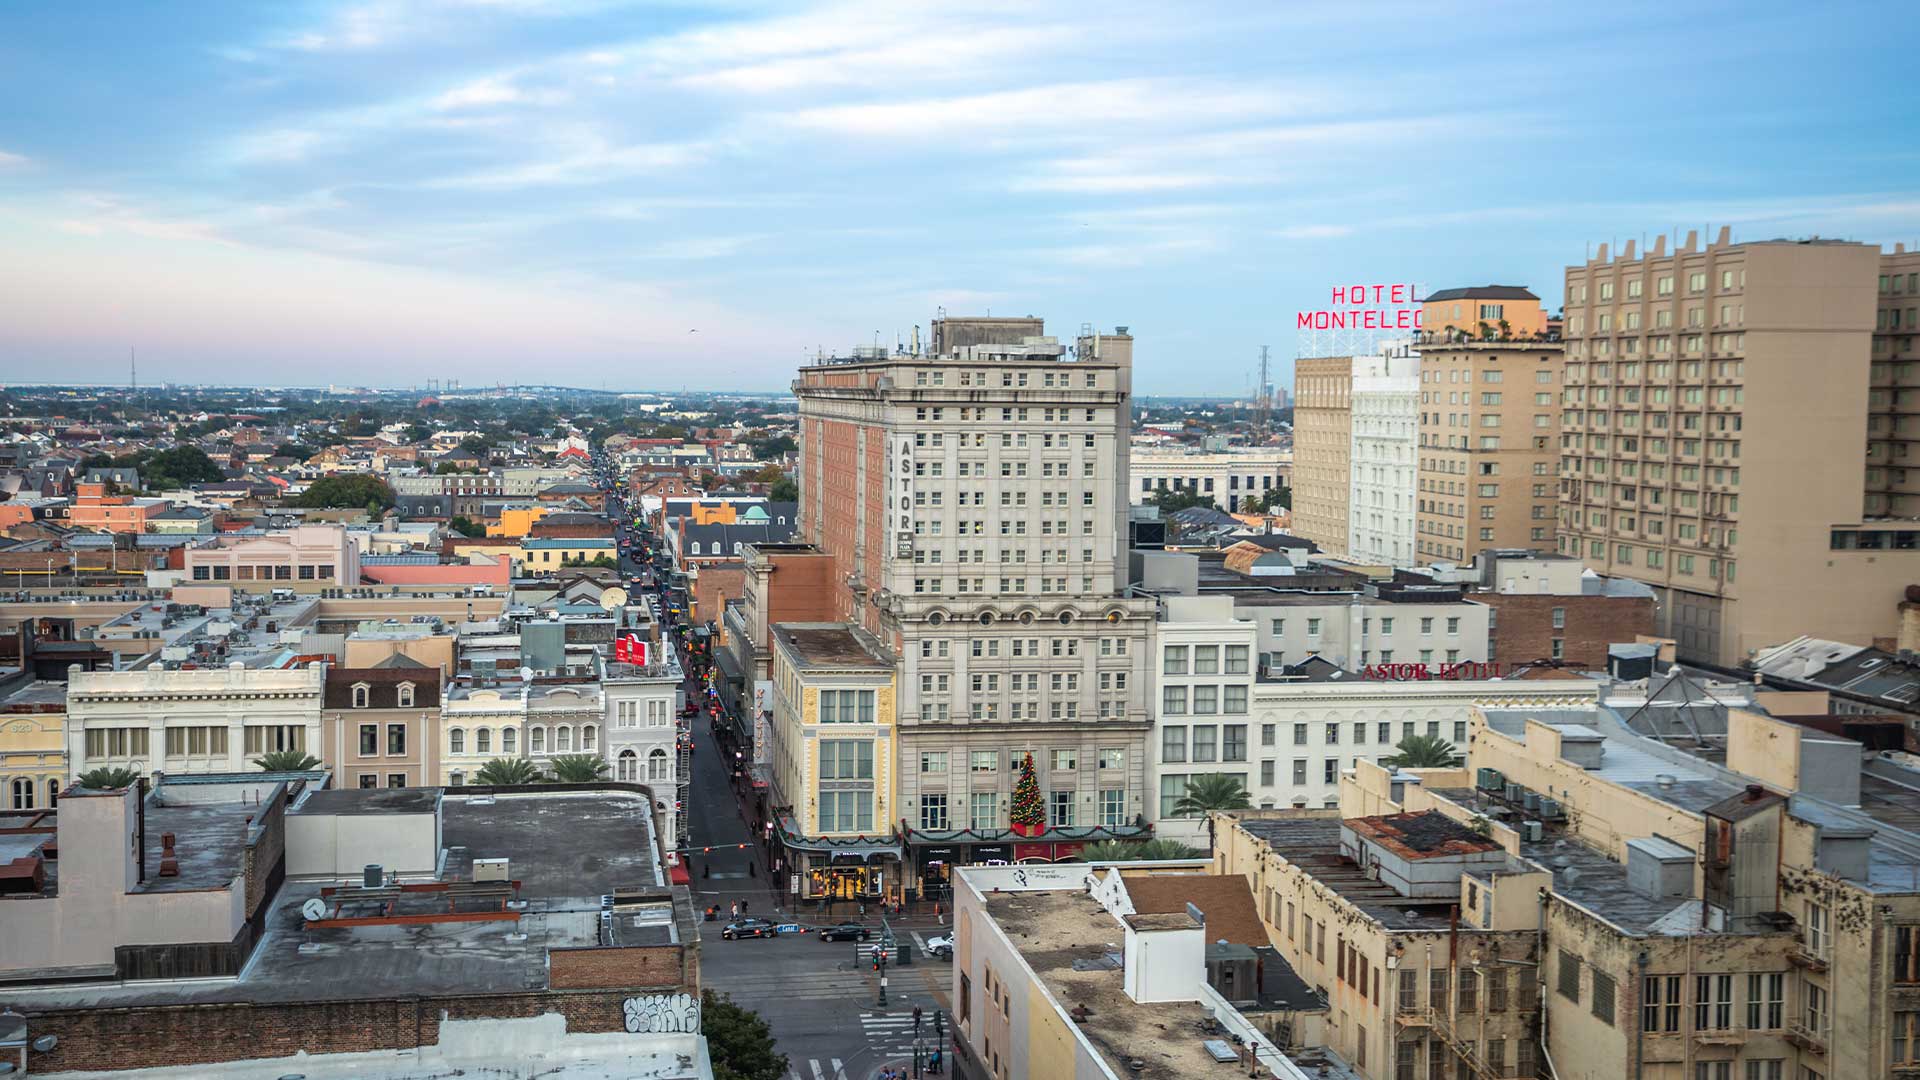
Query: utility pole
(1265, 398)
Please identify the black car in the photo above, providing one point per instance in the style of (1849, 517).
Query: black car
(846, 931)
(745, 928)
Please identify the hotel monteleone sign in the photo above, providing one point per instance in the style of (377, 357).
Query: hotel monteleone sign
(1366, 307)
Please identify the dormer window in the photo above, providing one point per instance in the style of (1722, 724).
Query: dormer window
(361, 695)
(405, 693)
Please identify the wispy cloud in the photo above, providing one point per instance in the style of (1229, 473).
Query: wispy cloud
(1313, 232)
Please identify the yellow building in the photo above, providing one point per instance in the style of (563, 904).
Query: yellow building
(33, 745)
(832, 755)
(517, 521)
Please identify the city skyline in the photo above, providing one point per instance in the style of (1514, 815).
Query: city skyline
(583, 192)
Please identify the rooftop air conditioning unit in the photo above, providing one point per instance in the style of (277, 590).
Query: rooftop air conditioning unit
(1531, 802)
(1515, 793)
(490, 870)
(1531, 831)
(1550, 809)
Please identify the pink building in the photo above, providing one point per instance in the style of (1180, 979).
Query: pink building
(478, 570)
(313, 555)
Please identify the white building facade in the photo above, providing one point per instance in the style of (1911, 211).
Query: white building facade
(188, 721)
(642, 735)
(1385, 467)
(1387, 623)
(1233, 479)
(1204, 669)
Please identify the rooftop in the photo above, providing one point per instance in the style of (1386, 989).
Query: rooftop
(1313, 844)
(830, 645)
(1067, 938)
(1483, 292)
(567, 850)
(368, 801)
(1426, 835)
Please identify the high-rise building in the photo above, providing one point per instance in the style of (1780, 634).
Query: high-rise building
(974, 501)
(1386, 426)
(1489, 424)
(1322, 449)
(1737, 427)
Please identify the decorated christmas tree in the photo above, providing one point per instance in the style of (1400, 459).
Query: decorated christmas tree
(1029, 814)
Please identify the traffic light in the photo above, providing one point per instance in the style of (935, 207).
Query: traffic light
(876, 960)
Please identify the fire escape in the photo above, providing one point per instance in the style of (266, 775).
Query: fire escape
(683, 780)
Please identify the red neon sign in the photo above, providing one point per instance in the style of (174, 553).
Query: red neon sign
(1366, 307)
(1465, 669)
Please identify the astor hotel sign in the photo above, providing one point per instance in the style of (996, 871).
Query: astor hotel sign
(1366, 307)
(1466, 669)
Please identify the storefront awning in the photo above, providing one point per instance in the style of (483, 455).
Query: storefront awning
(856, 847)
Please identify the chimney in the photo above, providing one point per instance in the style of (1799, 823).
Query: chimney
(169, 865)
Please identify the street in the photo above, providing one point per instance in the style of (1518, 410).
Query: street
(819, 998)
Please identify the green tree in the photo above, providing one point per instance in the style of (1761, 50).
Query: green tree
(448, 468)
(578, 769)
(179, 467)
(466, 526)
(294, 450)
(1174, 500)
(1138, 851)
(507, 772)
(1423, 752)
(287, 761)
(108, 778)
(784, 489)
(739, 1041)
(769, 449)
(347, 489)
(1280, 498)
(1028, 810)
(1209, 792)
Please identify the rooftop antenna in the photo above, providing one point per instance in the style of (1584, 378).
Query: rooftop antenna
(1263, 401)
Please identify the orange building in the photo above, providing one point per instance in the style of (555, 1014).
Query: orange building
(93, 508)
(1502, 312)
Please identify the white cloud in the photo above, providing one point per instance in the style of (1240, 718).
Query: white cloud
(1087, 108)
(284, 145)
(602, 162)
(12, 161)
(494, 90)
(1314, 232)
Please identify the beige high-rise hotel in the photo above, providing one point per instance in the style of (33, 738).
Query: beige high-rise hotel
(1322, 449)
(1489, 424)
(1739, 432)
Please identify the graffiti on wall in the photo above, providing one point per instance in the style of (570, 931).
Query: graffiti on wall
(657, 1013)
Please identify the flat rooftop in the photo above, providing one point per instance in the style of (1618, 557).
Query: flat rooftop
(1068, 940)
(1313, 844)
(829, 645)
(567, 850)
(368, 801)
(209, 839)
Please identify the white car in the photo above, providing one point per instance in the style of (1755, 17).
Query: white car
(940, 946)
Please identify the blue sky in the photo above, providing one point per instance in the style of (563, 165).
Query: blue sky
(700, 194)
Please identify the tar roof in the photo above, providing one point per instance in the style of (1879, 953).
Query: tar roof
(369, 801)
(1426, 835)
(1226, 902)
(829, 645)
(1313, 845)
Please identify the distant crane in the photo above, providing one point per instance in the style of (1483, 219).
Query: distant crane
(1263, 398)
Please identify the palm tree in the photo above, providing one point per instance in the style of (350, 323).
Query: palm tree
(287, 761)
(1137, 851)
(1423, 752)
(1213, 791)
(507, 772)
(578, 769)
(108, 778)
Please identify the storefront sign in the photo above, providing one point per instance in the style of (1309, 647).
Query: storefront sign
(1366, 307)
(988, 852)
(1466, 669)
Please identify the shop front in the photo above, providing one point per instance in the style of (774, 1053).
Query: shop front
(822, 869)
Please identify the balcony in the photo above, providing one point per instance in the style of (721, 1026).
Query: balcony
(1804, 1037)
(1803, 957)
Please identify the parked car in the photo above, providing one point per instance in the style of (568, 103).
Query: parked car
(940, 945)
(846, 931)
(746, 928)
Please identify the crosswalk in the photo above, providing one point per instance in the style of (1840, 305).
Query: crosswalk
(890, 1035)
(815, 1069)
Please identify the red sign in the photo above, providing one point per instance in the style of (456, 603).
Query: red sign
(629, 649)
(1366, 307)
(1466, 669)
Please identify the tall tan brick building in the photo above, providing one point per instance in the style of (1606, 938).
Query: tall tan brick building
(1323, 449)
(1739, 421)
(1489, 425)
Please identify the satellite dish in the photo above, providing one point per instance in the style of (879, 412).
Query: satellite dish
(526, 674)
(613, 599)
(314, 909)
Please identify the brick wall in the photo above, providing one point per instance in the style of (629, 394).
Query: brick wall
(134, 1038)
(616, 968)
(1524, 630)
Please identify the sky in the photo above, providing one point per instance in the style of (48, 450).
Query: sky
(657, 195)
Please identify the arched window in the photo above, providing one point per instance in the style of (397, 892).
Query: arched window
(562, 739)
(405, 695)
(53, 791)
(657, 764)
(360, 692)
(537, 740)
(739, 548)
(694, 548)
(507, 738)
(457, 741)
(586, 737)
(458, 779)
(629, 765)
(483, 740)
(23, 793)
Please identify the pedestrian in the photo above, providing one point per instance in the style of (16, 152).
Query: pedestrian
(743, 903)
(734, 911)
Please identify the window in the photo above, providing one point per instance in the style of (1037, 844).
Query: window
(933, 761)
(1770, 1069)
(656, 764)
(846, 811)
(856, 706)
(1906, 1038)
(1569, 971)
(1176, 661)
(1237, 659)
(403, 695)
(1766, 1000)
(1712, 1002)
(1815, 1015)
(1173, 788)
(1060, 809)
(1816, 929)
(396, 739)
(537, 740)
(361, 694)
(846, 759)
(1206, 659)
(983, 761)
(933, 812)
(1173, 701)
(1206, 700)
(1113, 807)
(507, 737)
(1713, 1070)
(1906, 954)
(983, 810)
(483, 740)
(370, 740)
(1660, 1003)
(627, 766)
(457, 741)
(1114, 758)
(1603, 996)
